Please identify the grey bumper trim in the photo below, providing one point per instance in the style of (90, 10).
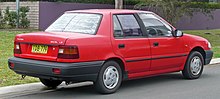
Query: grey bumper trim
(208, 57)
(69, 71)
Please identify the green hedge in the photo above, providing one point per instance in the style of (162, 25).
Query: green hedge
(204, 5)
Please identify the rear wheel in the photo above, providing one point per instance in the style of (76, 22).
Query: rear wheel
(109, 78)
(194, 66)
(50, 83)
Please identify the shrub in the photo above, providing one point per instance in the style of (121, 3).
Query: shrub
(2, 22)
(10, 18)
(24, 22)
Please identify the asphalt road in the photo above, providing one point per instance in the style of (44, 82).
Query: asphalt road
(168, 86)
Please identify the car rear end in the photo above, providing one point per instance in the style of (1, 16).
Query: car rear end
(47, 54)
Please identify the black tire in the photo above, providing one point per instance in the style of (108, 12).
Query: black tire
(50, 83)
(99, 84)
(187, 71)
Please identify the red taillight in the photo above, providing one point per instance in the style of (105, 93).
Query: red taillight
(17, 48)
(56, 71)
(68, 52)
(12, 65)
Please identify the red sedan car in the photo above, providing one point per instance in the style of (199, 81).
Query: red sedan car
(108, 46)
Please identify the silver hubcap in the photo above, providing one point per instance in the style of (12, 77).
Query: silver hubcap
(196, 65)
(110, 77)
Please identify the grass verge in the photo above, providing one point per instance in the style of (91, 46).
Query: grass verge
(8, 77)
(212, 35)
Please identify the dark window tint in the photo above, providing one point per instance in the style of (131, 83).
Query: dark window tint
(130, 26)
(155, 27)
(117, 28)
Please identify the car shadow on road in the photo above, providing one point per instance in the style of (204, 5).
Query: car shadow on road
(143, 85)
(126, 85)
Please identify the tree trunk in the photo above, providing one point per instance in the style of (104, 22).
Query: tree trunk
(118, 4)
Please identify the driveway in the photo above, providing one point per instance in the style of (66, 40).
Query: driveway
(168, 86)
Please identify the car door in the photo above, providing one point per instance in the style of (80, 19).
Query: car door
(130, 43)
(167, 51)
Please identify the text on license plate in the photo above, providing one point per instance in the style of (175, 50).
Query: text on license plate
(39, 49)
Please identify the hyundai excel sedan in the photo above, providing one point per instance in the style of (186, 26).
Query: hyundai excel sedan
(107, 46)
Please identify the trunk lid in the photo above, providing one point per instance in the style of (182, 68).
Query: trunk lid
(40, 45)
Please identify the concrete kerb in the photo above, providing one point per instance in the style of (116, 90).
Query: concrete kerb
(33, 88)
(215, 61)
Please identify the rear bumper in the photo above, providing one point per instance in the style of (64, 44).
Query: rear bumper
(82, 71)
(208, 57)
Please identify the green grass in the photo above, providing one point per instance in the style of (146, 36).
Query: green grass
(213, 37)
(8, 77)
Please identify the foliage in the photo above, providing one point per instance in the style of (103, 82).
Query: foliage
(196, 3)
(173, 10)
(9, 18)
(203, 5)
(2, 22)
(24, 22)
(127, 2)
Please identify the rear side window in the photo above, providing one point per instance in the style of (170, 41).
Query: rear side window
(76, 23)
(117, 28)
(129, 26)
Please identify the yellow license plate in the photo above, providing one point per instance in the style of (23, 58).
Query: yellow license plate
(42, 49)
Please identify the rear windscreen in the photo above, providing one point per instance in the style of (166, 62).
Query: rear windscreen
(76, 23)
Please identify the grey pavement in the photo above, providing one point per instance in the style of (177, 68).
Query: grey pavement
(33, 88)
(167, 86)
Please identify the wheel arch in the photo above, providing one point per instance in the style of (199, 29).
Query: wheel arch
(121, 64)
(187, 72)
(201, 50)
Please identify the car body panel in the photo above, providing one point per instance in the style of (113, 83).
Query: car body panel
(168, 54)
(135, 49)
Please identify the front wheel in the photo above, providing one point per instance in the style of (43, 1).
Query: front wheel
(50, 83)
(109, 78)
(194, 66)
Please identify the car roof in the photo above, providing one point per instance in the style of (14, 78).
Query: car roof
(107, 11)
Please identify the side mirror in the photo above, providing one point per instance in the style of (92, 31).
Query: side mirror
(177, 33)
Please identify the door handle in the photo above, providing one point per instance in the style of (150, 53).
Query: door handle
(121, 45)
(156, 44)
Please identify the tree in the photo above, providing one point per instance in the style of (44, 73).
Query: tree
(118, 4)
(173, 10)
